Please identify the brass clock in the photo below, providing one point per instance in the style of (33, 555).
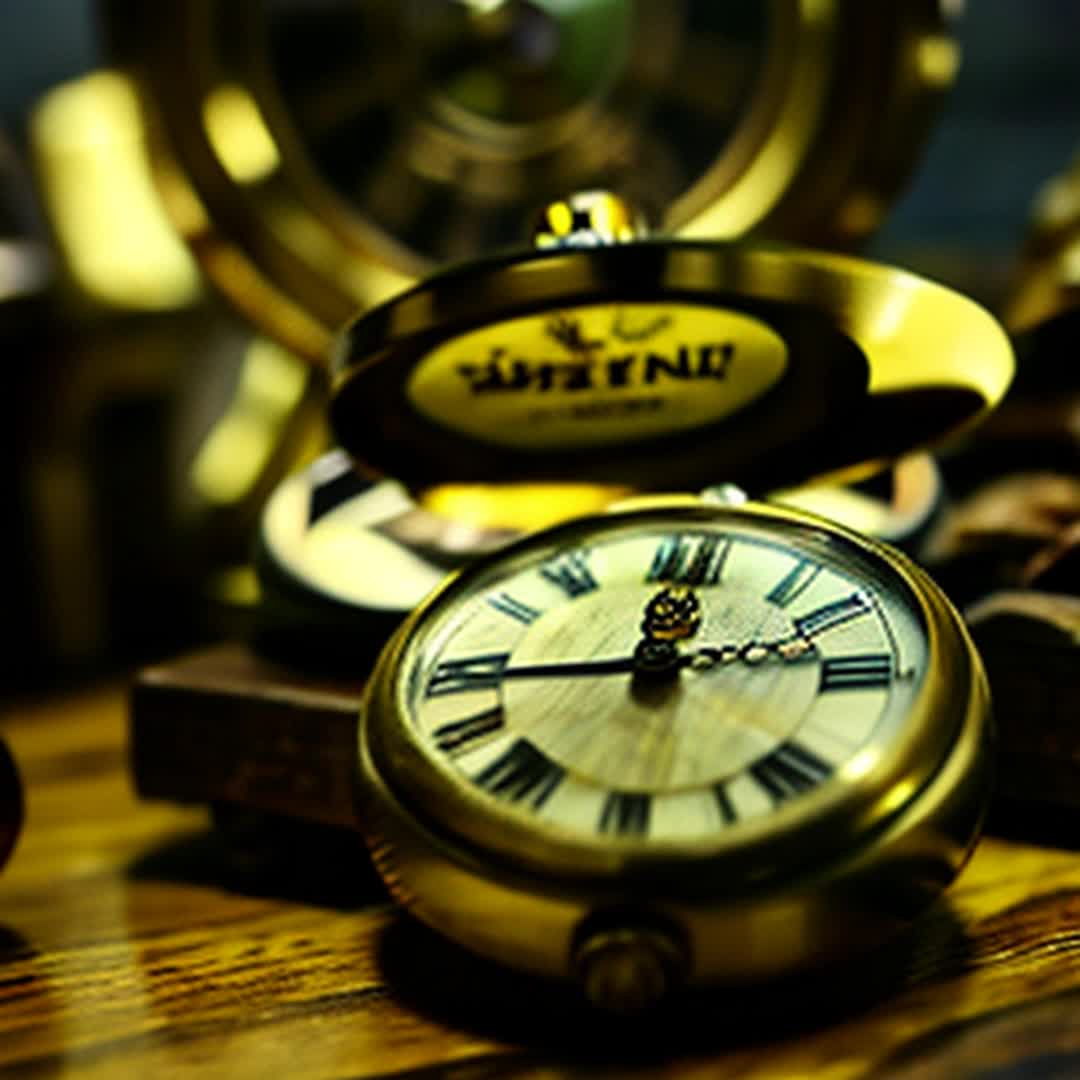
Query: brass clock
(321, 156)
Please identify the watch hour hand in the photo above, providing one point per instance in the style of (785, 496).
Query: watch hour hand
(620, 665)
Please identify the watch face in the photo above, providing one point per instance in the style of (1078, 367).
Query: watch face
(663, 681)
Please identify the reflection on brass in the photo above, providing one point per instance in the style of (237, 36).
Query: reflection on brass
(624, 969)
(588, 219)
(90, 152)
(321, 156)
(520, 507)
(1048, 281)
(235, 454)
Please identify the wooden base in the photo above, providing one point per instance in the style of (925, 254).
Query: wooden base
(225, 726)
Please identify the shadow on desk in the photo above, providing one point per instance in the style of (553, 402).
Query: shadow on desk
(433, 976)
(545, 1021)
(258, 854)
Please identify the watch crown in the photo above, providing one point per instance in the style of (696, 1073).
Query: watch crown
(588, 219)
(627, 969)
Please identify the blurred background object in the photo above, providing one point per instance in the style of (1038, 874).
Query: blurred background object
(149, 422)
(11, 804)
(319, 156)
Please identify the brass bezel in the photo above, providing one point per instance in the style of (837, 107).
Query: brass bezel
(873, 853)
(298, 263)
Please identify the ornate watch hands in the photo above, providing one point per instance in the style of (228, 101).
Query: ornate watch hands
(753, 652)
(672, 615)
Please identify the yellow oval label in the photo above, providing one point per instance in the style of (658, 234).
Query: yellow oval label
(598, 375)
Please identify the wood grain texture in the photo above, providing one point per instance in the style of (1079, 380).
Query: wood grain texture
(133, 943)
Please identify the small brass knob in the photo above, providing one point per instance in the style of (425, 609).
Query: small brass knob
(628, 969)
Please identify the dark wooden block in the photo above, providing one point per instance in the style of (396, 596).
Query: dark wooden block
(226, 726)
(1030, 644)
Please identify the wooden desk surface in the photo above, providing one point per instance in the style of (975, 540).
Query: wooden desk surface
(131, 945)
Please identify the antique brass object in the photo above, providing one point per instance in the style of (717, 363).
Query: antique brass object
(681, 741)
(533, 790)
(668, 364)
(319, 157)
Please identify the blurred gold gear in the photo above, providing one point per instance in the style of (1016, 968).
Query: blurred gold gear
(320, 157)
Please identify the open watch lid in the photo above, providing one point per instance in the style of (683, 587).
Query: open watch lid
(659, 364)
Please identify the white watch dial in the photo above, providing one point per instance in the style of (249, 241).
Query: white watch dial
(663, 683)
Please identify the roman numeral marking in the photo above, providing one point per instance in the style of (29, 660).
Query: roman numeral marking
(570, 572)
(463, 734)
(472, 673)
(871, 671)
(831, 615)
(799, 578)
(789, 770)
(505, 603)
(625, 813)
(724, 804)
(522, 774)
(683, 559)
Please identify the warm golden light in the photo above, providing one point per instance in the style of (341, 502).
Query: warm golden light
(938, 59)
(238, 448)
(1070, 263)
(239, 134)
(519, 506)
(90, 150)
(746, 202)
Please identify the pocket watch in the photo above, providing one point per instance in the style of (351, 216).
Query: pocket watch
(679, 741)
(676, 742)
(673, 744)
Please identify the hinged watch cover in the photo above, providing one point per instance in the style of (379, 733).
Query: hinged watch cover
(664, 365)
